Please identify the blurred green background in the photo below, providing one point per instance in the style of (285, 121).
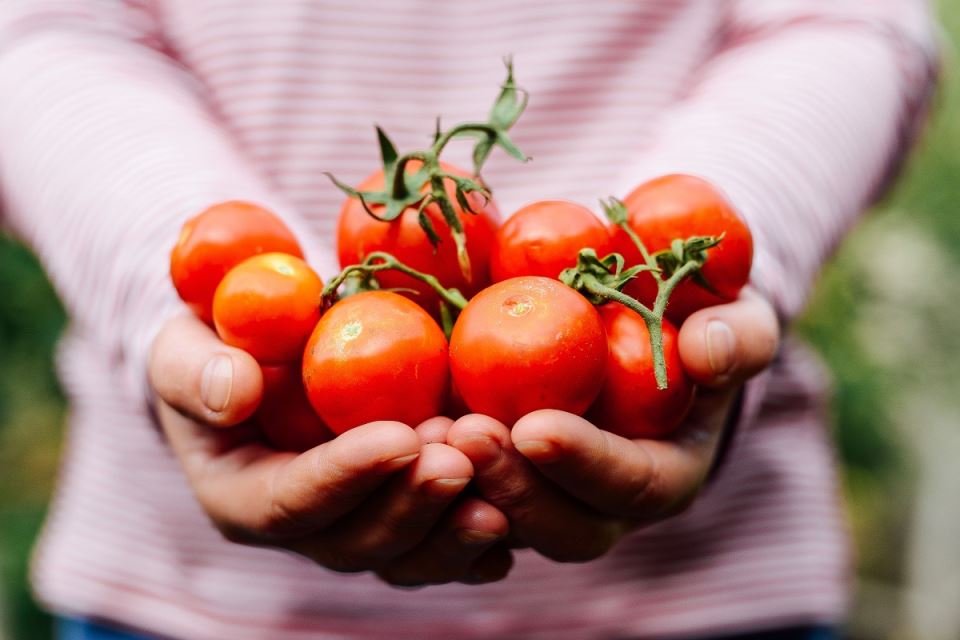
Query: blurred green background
(884, 317)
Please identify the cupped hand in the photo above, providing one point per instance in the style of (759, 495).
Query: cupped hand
(571, 490)
(383, 497)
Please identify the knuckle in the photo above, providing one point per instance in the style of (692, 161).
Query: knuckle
(390, 536)
(278, 520)
(513, 496)
(681, 505)
(643, 500)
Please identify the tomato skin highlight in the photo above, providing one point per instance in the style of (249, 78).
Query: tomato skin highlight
(680, 206)
(359, 234)
(217, 239)
(630, 403)
(285, 416)
(543, 238)
(528, 343)
(376, 356)
(267, 305)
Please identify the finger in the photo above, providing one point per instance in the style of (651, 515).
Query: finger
(723, 346)
(194, 372)
(434, 429)
(449, 553)
(252, 492)
(631, 478)
(400, 517)
(539, 513)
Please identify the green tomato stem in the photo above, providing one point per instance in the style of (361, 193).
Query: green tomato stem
(652, 319)
(638, 243)
(460, 129)
(382, 261)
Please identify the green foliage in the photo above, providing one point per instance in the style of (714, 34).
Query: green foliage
(31, 407)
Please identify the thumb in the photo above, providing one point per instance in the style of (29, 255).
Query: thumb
(195, 373)
(723, 346)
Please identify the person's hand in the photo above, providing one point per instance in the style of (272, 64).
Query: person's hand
(381, 497)
(571, 490)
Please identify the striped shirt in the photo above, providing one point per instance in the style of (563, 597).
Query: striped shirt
(120, 119)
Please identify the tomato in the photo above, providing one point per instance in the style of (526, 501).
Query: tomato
(630, 403)
(267, 305)
(216, 240)
(285, 416)
(528, 343)
(376, 356)
(680, 206)
(544, 238)
(358, 234)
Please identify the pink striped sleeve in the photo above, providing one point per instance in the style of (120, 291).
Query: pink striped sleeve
(106, 148)
(800, 117)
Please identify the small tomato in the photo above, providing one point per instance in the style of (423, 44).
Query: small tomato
(376, 356)
(528, 343)
(359, 234)
(680, 206)
(217, 239)
(630, 404)
(544, 238)
(267, 305)
(285, 416)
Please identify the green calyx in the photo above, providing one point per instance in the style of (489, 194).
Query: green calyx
(602, 280)
(427, 185)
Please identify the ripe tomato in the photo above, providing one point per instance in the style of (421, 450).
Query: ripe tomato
(285, 416)
(358, 234)
(376, 356)
(544, 238)
(630, 403)
(267, 305)
(217, 239)
(680, 206)
(528, 343)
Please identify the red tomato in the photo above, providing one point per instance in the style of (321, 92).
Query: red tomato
(376, 356)
(358, 234)
(544, 238)
(267, 305)
(216, 240)
(285, 416)
(680, 206)
(630, 403)
(528, 343)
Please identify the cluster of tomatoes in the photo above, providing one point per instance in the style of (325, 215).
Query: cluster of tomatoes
(522, 341)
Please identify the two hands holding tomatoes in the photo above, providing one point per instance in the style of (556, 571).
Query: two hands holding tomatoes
(390, 498)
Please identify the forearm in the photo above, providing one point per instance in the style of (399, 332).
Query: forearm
(800, 118)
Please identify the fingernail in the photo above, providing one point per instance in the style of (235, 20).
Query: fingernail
(720, 344)
(476, 538)
(538, 450)
(400, 462)
(445, 488)
(216, 384)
